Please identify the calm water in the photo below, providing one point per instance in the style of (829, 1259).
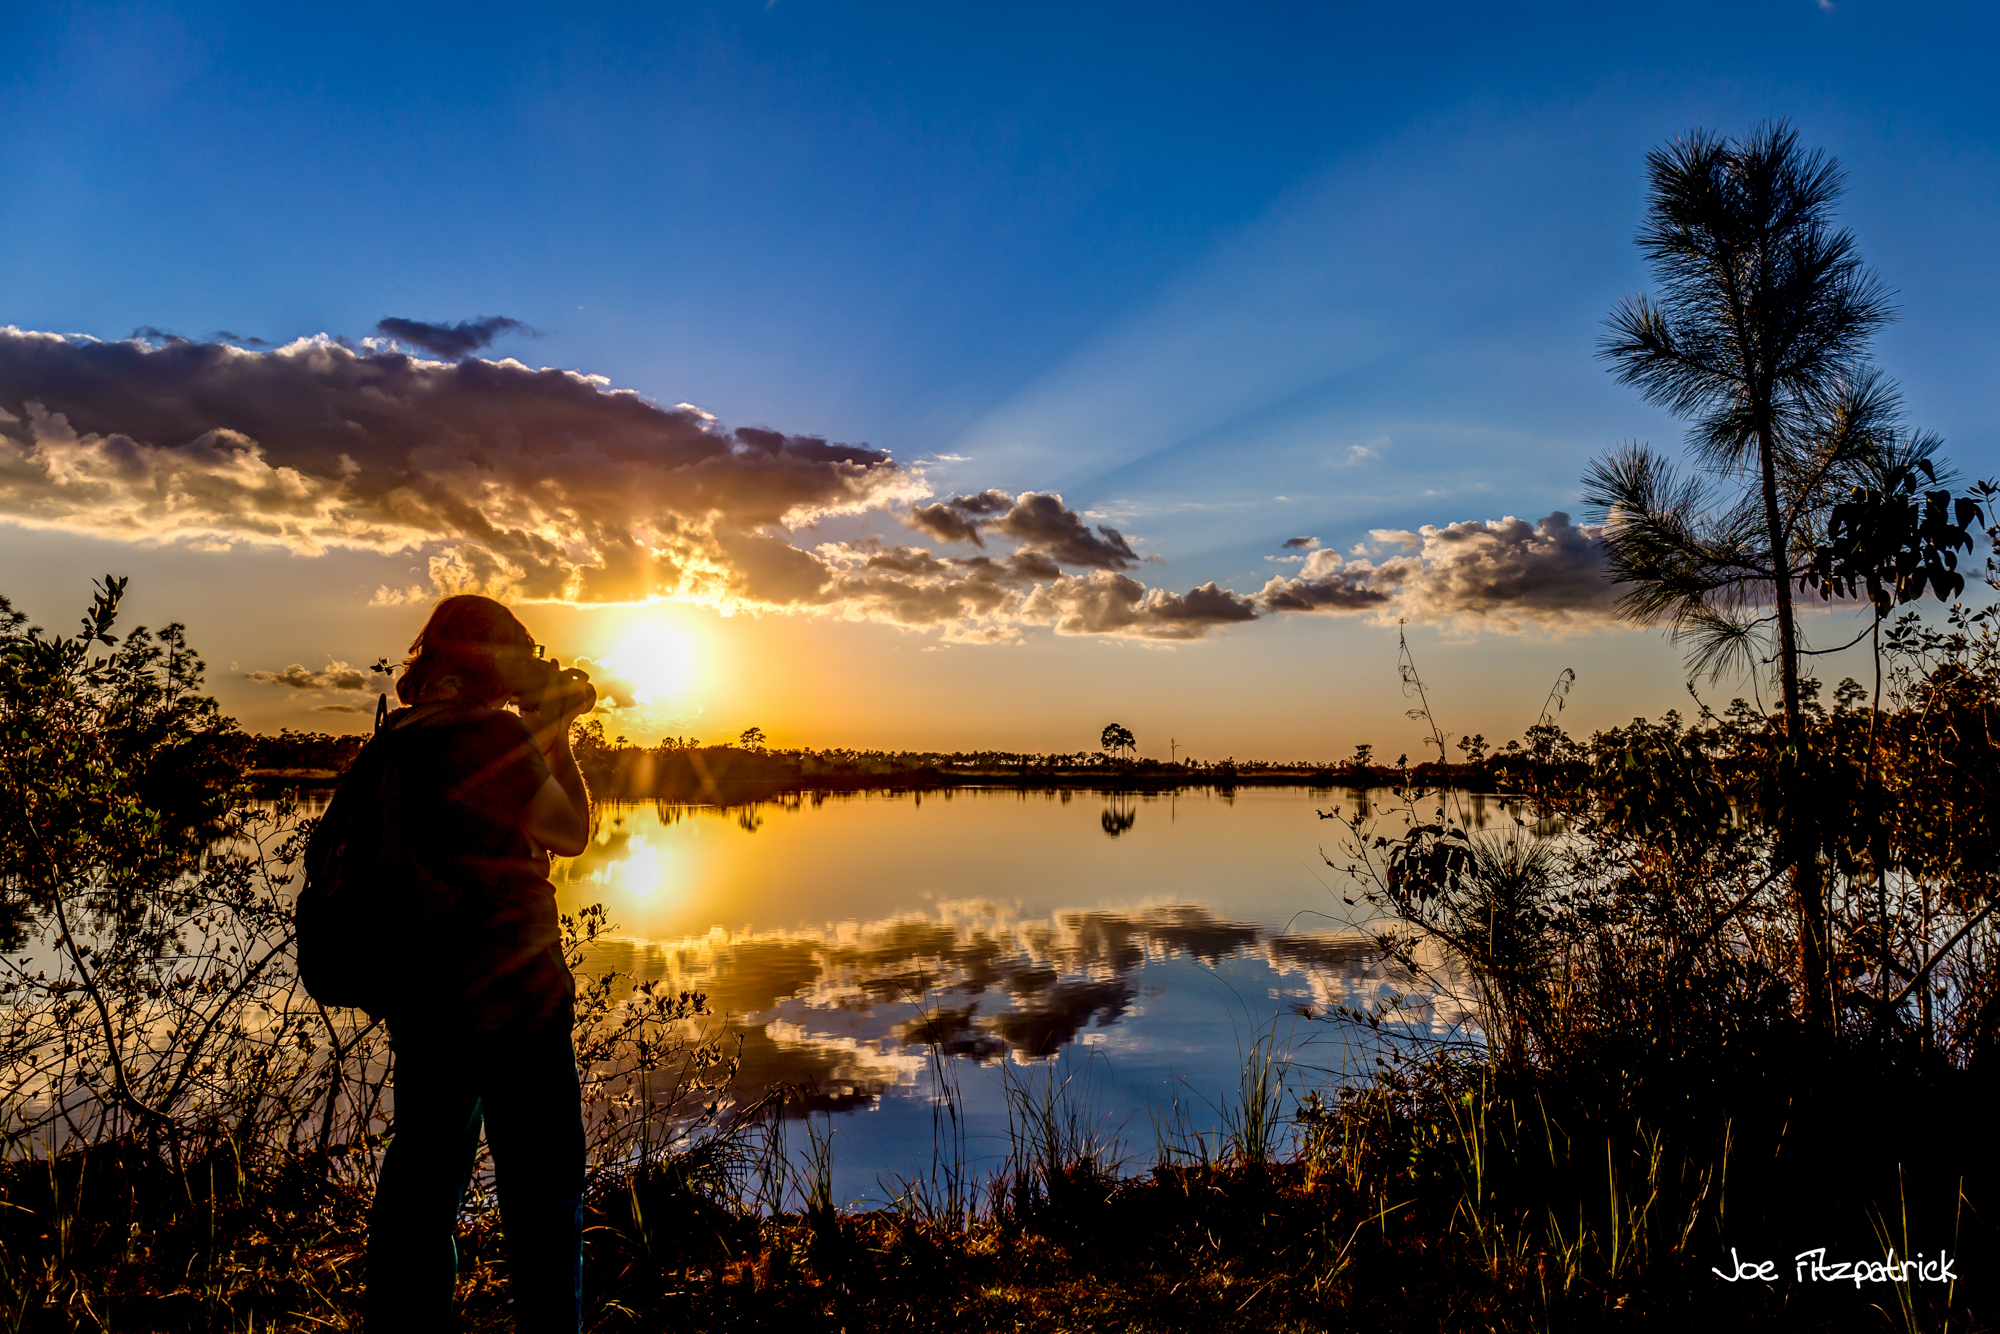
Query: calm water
(1136, 945)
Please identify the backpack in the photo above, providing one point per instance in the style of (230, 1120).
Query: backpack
(367, 911)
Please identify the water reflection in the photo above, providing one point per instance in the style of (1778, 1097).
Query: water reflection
(1144, 937)
(850, 1009)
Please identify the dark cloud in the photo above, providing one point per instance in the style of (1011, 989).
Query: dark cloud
(984, 503)
(518, 482)
(1340, 592)
(224, 336)
(913, 587)
(958, 519)
(342, 708)
(1037, 521)
(1501, 574)
(910, 561)
(1301, 543)
(337, 675)
(1328, 584)
(1511, 570)
(810, 448)
(1031, 564)
(945, 524)
(452, 340)
(1042, 521)
(1106, 603)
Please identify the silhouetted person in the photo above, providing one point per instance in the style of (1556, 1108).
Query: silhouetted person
(483, 796)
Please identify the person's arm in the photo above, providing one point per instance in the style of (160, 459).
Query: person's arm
(558, 818)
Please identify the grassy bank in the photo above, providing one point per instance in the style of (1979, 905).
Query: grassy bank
(1420, 1202)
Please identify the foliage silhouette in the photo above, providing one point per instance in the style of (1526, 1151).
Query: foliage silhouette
(1759, 337)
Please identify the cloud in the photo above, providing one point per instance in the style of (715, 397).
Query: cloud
(1401, 538)
(1499, 574)
(1038, 521)
(1108, 603)
(337, 675)
(945, 524)
(613, 690)
(341, 708)
(452, 340)
(551, 485)
(1507, 570)
(1326, 584)
(1042, 521)
(517, 482)
(988, 502)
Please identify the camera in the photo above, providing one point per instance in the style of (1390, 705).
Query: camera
(542, 687)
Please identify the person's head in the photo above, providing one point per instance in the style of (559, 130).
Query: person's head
(472, 640)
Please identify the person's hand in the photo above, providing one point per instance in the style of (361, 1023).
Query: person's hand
(578, 696)
(568, 699)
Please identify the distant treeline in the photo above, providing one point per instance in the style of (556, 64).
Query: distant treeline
(292, 759)
(680, 770)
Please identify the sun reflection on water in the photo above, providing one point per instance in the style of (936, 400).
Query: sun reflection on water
(644, 869)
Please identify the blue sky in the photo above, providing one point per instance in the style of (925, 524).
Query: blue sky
(1219, 275)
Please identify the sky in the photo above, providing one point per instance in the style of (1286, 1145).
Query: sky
(913, 377)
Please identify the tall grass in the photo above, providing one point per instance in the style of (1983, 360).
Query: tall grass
(1062, 1158)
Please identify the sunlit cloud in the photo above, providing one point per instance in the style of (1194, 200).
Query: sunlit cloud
(1495, 574)
(336, 675)
(1107, 603)
(551, 485)
(528, 484)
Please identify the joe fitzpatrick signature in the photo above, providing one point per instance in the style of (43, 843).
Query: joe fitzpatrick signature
(1813, 1266)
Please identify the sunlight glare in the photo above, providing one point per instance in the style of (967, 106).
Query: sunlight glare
(643, 871)
(657, 660)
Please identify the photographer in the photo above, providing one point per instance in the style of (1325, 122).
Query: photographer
(483, 1033)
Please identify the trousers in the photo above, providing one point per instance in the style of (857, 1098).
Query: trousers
(523, 1087)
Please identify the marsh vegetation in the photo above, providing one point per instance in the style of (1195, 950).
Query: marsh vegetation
(1637, 1091)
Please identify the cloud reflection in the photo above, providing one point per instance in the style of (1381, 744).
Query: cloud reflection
(850, 1011)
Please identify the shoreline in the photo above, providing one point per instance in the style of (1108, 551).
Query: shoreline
(735, 791)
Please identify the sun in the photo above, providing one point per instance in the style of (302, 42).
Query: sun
(657, 660)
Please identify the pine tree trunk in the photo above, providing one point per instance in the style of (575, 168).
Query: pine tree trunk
(1792, 838)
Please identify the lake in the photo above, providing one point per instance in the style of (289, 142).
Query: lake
(880, 950)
